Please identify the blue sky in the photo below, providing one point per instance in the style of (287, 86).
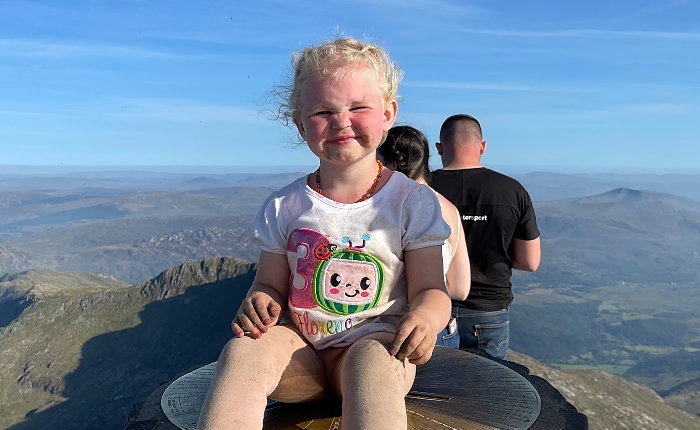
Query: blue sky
(594, 85)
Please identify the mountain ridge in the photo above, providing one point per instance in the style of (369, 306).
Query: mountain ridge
(77, 362)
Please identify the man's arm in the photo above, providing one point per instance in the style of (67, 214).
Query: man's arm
(526, 254)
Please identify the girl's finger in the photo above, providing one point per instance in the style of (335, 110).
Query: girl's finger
(247, 325)
(422, 353)
(250, 311)
(274, 310)
(236, 328)
(262, 311)
(404, 342)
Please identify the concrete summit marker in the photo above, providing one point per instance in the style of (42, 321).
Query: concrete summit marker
(454, 390)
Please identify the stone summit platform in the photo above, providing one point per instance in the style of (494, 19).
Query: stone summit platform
(454, 390)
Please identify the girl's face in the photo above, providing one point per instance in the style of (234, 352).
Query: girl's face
(343, 119)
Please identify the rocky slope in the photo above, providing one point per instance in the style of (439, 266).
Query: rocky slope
(80, 351)
(609, 401)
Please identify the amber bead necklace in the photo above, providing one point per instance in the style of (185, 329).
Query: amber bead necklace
(365, 196)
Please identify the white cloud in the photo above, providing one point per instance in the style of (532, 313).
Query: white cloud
(186, 112)
(629, 110)
(42, 49)
(487, 86)
(183, 112)
(585, 33)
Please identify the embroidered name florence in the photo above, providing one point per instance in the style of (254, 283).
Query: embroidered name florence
(475, 217)
(314, 327)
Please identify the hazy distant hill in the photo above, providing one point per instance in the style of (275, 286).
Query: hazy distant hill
(620, 236)
(76, 357)
(628, 195)
(26, 213)
(14, 260)
(143, 181)
(132, 249)
(552, 186)
(130, 232)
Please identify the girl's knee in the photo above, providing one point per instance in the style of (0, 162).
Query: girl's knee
(235, 347)
(369, 360)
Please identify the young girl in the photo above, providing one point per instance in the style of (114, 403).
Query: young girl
(351, 257)
(406, 150)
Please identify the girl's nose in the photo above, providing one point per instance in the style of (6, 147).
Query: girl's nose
(341, 120)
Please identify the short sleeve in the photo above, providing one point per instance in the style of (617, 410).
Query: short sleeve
(268, 228)
(527, 226)
(422, 220)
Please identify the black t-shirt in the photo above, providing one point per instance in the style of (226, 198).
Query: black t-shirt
(495, 209)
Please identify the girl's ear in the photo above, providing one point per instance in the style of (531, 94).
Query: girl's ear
(300, 127)
(390, 111)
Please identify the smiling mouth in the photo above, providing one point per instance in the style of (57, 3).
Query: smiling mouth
(356, 293)
(343, 140)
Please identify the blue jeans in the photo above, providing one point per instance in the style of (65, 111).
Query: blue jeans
(450, 340)
(485, 331)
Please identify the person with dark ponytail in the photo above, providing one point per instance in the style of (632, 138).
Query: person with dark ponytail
(406, 150)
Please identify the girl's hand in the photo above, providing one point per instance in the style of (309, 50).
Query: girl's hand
(257, 312)
(415, 338)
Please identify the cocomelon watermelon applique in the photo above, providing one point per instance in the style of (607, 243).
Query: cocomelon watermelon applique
(349, 281)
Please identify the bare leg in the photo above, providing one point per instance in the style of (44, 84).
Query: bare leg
(373, 385)
(280, 364)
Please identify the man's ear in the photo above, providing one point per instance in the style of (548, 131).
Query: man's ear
(438, 146)
(483, 147)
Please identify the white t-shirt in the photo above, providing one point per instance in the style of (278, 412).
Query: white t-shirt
(346, 260)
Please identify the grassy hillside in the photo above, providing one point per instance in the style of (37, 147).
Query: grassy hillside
(609, 401)
(76, 358)
(685, 396)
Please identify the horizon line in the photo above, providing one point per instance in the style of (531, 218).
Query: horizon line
(33, 169)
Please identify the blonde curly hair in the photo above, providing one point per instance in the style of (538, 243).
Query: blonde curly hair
(329, 60)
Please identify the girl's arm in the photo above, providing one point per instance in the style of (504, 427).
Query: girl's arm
(429, 303)
(267, 297)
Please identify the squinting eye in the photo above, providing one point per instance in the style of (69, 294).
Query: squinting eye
(325, 112)
(364, 283)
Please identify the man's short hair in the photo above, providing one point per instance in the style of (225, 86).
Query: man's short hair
(465, 125)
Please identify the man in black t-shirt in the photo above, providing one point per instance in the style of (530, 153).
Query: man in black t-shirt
(500, 228)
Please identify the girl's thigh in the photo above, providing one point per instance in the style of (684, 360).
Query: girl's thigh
(281, 360)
